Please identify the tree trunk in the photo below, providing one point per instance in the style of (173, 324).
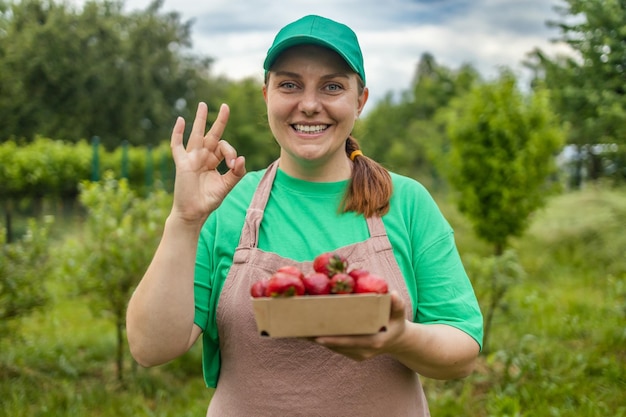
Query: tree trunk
(497, 294)
(576, 178)
(120, 348)
(8, 221)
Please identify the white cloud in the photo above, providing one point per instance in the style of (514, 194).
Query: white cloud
(394, 34)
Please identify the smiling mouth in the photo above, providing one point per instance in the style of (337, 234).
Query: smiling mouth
(309, 128)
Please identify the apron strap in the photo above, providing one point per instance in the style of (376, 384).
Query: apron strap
(250, 232)
(378, 234)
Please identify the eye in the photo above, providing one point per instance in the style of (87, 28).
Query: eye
(288, 85)
(333, 87)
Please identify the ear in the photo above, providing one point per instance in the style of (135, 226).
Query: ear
(361, 101)
(265, 93)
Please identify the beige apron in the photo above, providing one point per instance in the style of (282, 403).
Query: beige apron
(295, 377)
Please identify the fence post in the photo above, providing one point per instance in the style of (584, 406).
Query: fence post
(149, 166)
(125, 159)
(95, 160)
(167, 171)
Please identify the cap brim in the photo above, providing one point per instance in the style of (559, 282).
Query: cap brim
(281, 47)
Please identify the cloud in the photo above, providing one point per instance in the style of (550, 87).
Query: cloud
(394, 34)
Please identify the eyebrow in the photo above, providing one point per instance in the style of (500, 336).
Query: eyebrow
(296, 75)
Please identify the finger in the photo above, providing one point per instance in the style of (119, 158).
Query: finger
(222, 150)
(176, 141)
(235, 173)
(239, 167)
(397, 306)
(199, 125)
(217, 130)
(225, 151)
(236, 164)
(344, 342)
(351, 349)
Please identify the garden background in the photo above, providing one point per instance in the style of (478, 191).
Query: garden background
(532, 181)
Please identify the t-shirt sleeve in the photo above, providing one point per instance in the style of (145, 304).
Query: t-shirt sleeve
(441, 290)
(204, 295)
(445, 293)
(202, 283)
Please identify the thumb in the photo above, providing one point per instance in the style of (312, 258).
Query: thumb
(397, 306)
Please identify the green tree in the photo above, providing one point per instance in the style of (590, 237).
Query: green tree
(503, 148)
(587, 86)
(502, 153)
(121, 235)
(401, 133)
(383, 132)
(434, 86)
(71, 73)
(23, 264)
(247, 129)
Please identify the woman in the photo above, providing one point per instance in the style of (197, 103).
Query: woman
(226, 231)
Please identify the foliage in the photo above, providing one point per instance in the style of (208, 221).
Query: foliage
(143, 166)
(560, 328)
(24, 267)
(44, 167)
(248, 130)
(502, 154)
(493, 276)
(435, 86)
(122, 232)
(72, 74)
(383, 134)
(401, 133)
(63, 365)
(587, 85)
(54, 169)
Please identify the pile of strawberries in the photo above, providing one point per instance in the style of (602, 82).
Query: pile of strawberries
(330, 276)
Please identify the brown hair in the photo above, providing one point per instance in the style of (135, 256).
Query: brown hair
(370, 187)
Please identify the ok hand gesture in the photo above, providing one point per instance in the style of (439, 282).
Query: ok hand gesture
(199, 187)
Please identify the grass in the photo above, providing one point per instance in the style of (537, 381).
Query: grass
(558, 345)
(62, 364)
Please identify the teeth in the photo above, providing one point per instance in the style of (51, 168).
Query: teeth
(310, 129)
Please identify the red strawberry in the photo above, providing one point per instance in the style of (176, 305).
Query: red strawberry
(292, 270)
(282, 284)
(341, 284)
(330, 263)
(358, 273)
(371, 284)
(316, 283)
(258, 288)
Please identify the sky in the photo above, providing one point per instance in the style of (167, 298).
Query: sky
(393, 34)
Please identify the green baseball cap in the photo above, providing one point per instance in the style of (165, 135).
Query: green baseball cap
(317, 30)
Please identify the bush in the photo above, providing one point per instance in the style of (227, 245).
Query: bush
(24, 265)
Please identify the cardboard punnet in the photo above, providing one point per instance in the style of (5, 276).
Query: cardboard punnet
(308, 316)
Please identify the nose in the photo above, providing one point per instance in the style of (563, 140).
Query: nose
(310, 103)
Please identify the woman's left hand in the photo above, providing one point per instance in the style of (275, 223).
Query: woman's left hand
(362, 347)
(437, 351)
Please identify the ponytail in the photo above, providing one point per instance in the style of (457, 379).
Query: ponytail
(370, 187)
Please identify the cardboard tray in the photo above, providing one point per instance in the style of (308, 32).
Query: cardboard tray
(309, 316)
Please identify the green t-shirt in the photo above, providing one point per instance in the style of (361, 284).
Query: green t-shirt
(301, 220)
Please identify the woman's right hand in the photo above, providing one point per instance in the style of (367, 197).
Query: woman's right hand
(199, 187)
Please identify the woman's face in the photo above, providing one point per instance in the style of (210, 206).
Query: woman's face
(313, 100)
